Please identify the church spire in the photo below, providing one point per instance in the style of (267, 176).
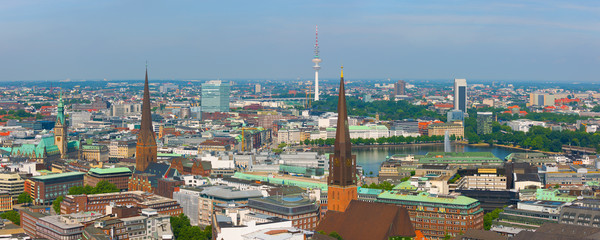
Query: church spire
(146, 141)
(343, 172)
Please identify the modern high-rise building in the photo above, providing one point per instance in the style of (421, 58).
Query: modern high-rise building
(460, 94)
(455, 115)
(145, 152)
(400, 88)
(215, 96)
(257, 88)
(484, 122)
(342, 164)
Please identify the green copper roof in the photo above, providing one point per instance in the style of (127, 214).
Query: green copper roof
(33, 150)
(459, 157)
(370, 191)
(424, 197)
(276, 180)
(59, 175)
(110, 170)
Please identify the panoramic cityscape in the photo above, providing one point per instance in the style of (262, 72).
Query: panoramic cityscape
(296, 121)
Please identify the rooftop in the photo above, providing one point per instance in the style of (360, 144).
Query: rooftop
(110, 170)
(58, 175)
(424, 197)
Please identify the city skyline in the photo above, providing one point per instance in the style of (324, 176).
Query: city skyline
(538, 41)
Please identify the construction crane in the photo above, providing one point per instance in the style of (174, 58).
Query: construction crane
(308, 101)
(244, 136)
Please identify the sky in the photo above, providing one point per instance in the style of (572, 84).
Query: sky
(479, 40)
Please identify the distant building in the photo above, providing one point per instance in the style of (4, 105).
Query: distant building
(117, 176)
(455, 115)
(44, 189)
(6, 201)
(99, 202)
(529, 215)
(524, 125)
(257, 88)
(215, 96)
(484, 122)
(541, 99)
(97, 153)
(460, 94)
(12, 183)
(583, 212)
(125, 109)
(439, 129)
(436, 216)
(302, 211)
(400, 88)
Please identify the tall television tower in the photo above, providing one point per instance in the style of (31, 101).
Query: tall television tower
(316, 60)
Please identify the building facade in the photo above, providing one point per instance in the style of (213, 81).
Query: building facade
(44, 189)
(99, 202)
(460, 94)
(484, 122)
(117, 176)
(12, 183)
(215, 96)
(302, 211)
(436, 216)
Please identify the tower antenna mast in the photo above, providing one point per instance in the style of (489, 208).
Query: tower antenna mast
(316, 60)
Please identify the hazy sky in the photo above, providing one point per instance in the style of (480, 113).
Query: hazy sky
(482, 40)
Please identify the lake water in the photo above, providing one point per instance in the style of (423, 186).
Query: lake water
(371, 158)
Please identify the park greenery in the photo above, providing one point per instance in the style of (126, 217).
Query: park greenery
(386, 186)
(12, 216)
(183, 230)
(381, 140)
(101, 187)
(19, 114)
(454, 179)
(388, 110)
(488, 218)
(537, 138)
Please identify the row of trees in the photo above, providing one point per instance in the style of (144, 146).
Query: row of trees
(538, 138)
(388, 110)
(102, 187)
(12, 216)
(488, 218)
(381, 140)
(183, 230)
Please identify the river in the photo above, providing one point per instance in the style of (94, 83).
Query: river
(371, 158)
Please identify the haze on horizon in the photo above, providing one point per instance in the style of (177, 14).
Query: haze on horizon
(504, 40)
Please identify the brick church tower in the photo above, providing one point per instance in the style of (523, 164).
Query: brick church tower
(342, 164)
(145, 151)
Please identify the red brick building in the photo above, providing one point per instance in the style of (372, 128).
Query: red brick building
(189, 167)
(117, 176)
(98, 202)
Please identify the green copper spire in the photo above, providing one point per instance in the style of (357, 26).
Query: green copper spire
(60, 111)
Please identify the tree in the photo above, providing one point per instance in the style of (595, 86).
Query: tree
(335, 235)
(56, 204)
(106, 187)
(24, 198)
(13, 216)
(184, 231)
(488, 218)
